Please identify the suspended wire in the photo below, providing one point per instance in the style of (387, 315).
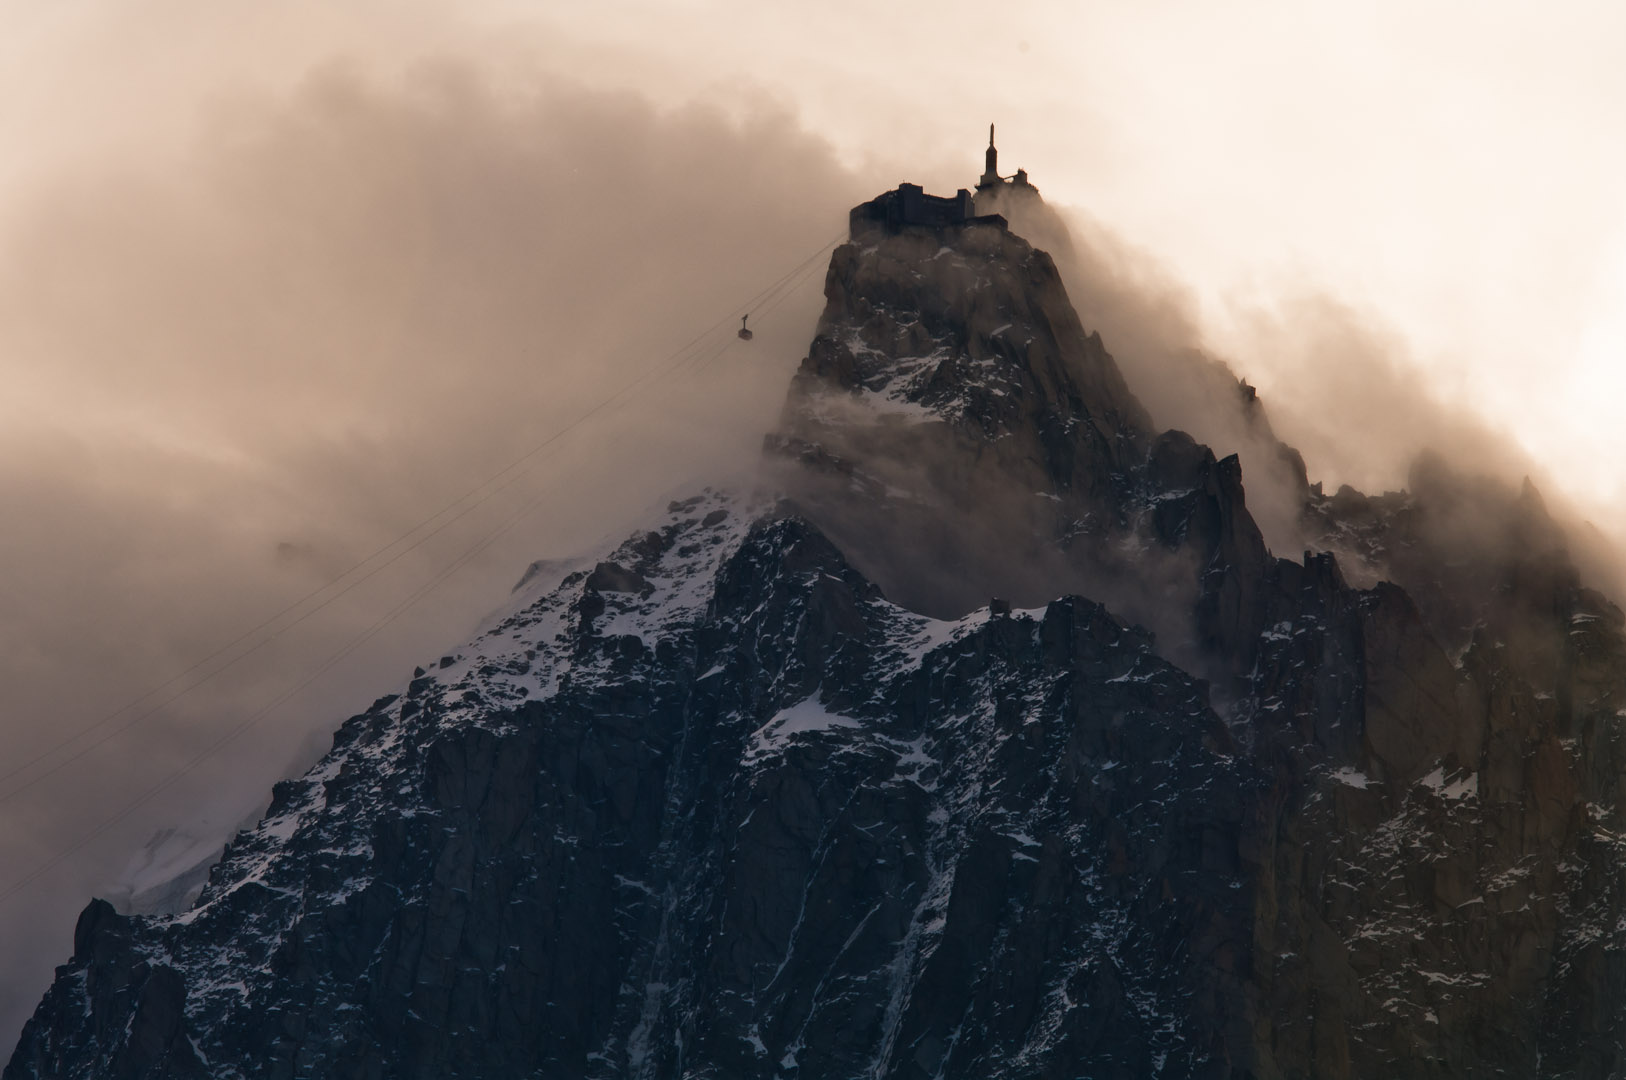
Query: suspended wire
(625, 390)
(671, 363)
(242, 726)
(769, 297)
(769, 306)
(765, 301)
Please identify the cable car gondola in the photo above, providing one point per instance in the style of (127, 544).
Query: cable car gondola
(745, 335)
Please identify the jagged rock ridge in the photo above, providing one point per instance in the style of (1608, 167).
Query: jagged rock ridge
(713, 808)
(722, 805)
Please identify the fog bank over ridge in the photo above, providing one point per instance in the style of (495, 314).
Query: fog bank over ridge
(235, 376)
(1340, 385)
(236, 370)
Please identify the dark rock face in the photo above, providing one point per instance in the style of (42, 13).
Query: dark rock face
(1461, 862)
(954, 408)
(721, 806)
(767, 823)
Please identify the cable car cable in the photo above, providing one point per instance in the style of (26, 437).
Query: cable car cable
(672, 360)
(677, 356)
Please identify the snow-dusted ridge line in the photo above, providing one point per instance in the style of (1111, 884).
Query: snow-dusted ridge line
(641, 595)
(522, 654)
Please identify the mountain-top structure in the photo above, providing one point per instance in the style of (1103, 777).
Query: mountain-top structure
(910, 205)
(772, 789)
(991, 184)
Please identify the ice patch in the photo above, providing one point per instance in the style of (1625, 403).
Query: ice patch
(1351, 777)
(1455, 789)
(934, 632)
(802, 718)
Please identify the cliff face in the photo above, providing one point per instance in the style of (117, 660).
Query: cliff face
(725, 803)
(1432, 857)
(960, 435)
(961, 416)
(1450, 889)
(713, 808)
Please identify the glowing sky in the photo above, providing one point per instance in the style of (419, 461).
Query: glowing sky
(1454, 169)
(1450, 177)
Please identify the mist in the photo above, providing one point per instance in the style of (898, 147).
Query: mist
(1305, 387)
(253, 336)
(236, 371)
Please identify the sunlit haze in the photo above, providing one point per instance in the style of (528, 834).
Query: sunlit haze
(279, 281)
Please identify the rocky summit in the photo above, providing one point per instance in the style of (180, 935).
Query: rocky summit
(778, 787)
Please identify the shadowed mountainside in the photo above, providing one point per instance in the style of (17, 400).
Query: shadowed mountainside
(773, 789)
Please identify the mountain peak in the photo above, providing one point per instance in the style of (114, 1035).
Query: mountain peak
(774, 789)
(967, 324)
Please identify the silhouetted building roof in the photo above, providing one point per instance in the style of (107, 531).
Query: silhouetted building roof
(910, 205)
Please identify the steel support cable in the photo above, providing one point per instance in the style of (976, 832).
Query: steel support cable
(764, 310)
(377, 626)
(373, 630)
(666, 365)
(766, 301)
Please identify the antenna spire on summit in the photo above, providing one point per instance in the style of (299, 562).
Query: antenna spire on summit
(990, 172)
(992, 187)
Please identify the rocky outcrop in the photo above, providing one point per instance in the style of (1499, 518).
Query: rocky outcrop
(961, 435)
(960, 419)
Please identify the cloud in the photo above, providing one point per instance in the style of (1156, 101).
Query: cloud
(244, 353)
(1348, 392)
(1345, 394)
(236, 371)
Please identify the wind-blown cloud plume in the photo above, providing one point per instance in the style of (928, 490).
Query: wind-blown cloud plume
(236, 373)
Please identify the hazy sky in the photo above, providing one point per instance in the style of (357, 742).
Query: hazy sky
(279, 280)
(1449, 169)
(1454, 169)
